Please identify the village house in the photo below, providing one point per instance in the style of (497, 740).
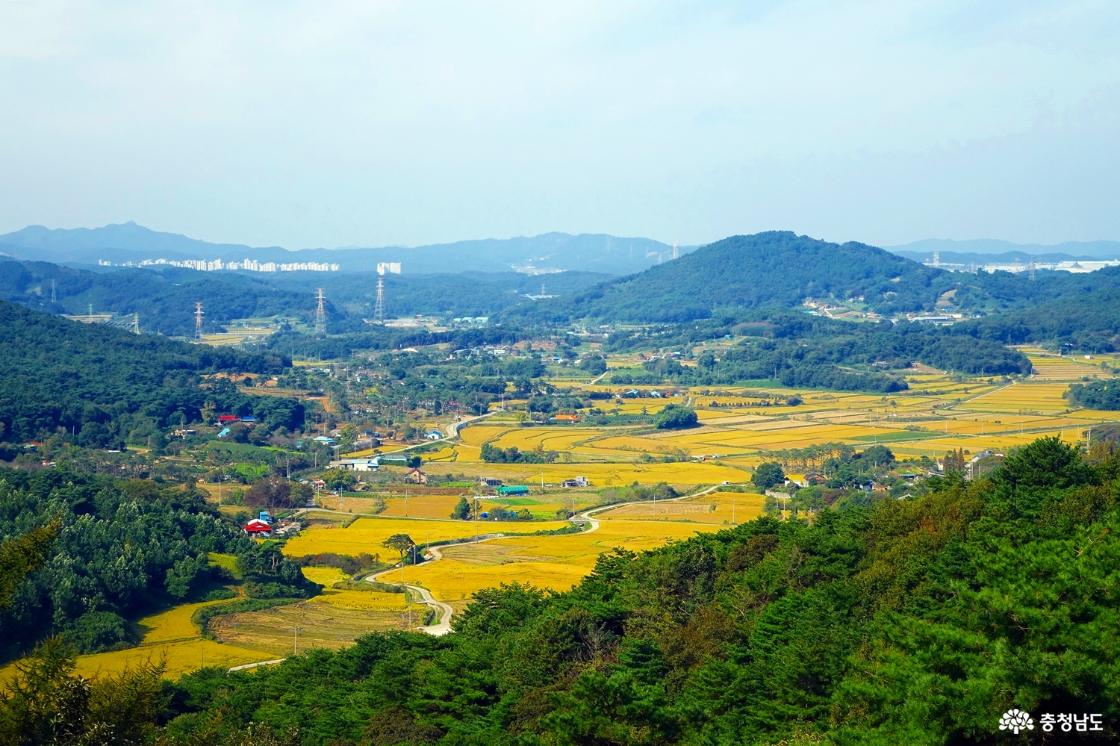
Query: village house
(258, 528)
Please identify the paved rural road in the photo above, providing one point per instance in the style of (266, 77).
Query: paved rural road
(453, 428)
(586, 516)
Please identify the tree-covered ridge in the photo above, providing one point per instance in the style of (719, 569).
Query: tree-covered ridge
(916, 621)
(775, 269)
(100, 384)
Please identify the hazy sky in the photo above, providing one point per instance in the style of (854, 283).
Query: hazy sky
(369, 123)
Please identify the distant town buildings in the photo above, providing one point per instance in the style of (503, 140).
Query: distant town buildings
(1074, 266)
(216, 265)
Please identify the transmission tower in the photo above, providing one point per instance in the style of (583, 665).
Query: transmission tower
(54, 292)
(379, 306)
(383, 268)
(134, 327)
(676, 252)
(198, 314)
(1031, 270)
(320, 312)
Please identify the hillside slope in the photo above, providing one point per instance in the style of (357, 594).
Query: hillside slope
(102, 384)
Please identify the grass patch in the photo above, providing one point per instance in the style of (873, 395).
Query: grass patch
(207, 614)
(227, 562)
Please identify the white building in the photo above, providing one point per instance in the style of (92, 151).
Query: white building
(356, 464)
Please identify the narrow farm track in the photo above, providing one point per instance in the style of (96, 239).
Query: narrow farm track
(586, 518)
(248, 666)
(443, 621)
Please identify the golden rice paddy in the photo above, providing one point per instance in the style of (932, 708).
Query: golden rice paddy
(554, 562)
(170, 638)
(367, 535)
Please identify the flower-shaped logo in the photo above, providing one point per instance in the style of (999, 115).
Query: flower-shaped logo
(1016, 720)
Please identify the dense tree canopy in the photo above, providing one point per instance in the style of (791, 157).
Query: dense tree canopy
(121, 547)
(1096, 395)
(104, 386)
(676, 417)
(767, 475)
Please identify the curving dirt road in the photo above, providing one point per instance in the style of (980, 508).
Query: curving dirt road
(444, 611)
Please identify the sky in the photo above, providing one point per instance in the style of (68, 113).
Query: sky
(336, 123)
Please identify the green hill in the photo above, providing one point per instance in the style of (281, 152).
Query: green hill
(774, 269)
(103, 386)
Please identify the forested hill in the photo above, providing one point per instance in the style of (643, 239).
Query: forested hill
(774, 269)
(103, 384)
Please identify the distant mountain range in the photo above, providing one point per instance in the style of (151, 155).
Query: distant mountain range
(550, 252)
(735, 278)
(990, 251)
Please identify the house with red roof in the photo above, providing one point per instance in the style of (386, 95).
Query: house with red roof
(257, 527)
